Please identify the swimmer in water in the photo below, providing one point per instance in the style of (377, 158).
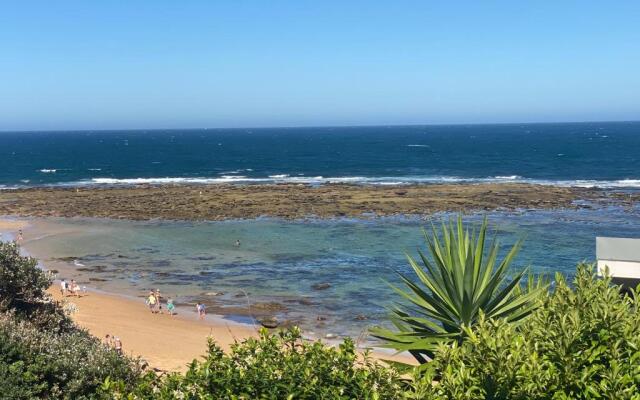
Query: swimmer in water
(238, 243)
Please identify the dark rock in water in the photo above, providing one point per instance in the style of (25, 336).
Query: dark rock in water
(305, 301)
(241, 294)
(65, 259)
(270, 306)
(321, 318)
(361, 317)
(93, 268)
(97, 280)
(269, 322)
(321, 286)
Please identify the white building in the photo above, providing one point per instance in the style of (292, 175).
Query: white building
(622, 257)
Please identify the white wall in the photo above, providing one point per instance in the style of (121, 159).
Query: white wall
(620, 269)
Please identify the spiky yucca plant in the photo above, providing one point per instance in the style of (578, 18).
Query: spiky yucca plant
(458, 282)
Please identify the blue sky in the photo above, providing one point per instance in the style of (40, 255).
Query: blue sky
(154, 64)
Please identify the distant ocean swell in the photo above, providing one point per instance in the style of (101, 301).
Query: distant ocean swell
(362, 180)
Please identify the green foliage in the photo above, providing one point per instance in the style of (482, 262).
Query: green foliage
(43, 364)
(23, 290)
(459, 282)
(42, 353)
(279, 366)
(582, 343)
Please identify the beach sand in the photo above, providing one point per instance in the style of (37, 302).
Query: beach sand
(166, 342)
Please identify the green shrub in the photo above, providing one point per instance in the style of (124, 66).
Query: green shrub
(43, 355)
(279, 366)
(459, 280)
(583, 343)
(42, 364)
(23, 291)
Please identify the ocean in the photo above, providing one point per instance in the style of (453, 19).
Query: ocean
(580, 154)
(279, 262)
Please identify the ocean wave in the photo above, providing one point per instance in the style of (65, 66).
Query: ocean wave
(48, 171)
(630, 183)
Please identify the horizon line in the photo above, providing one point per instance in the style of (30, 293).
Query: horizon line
(319, 126)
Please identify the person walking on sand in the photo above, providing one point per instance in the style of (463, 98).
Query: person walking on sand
(200, 309)
(63, 287)
(75, 289)
(151, 301)
(158, 301)
(20, 237)
(107, 341)
(117, 345)
(170, 307)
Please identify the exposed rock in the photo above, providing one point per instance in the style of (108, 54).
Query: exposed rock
(321, 286)
(269, 306)
(269, 322)
(290, 201)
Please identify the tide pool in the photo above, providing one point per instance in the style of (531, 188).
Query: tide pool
(281, 262)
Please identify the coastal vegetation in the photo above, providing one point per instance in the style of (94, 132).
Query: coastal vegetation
(43, 355)
(488, 335)
(460, 282)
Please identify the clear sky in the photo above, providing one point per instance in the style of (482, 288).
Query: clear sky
(153, 64)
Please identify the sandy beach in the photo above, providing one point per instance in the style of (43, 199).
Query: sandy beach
(166, 342)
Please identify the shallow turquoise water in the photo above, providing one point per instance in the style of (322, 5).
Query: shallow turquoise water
(281, 260)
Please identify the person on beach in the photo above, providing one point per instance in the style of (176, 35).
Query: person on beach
(75, 289)
(158, 301)
(170, 306)
(107, 341)
(20, 237)
(200, 309)
(117, 344)
(151, 302)
(63, 287)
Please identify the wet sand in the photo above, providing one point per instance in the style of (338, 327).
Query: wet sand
(219, 202)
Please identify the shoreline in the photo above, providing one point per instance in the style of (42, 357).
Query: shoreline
(295, 201)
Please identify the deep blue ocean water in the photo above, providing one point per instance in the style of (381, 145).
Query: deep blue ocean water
(585, 154)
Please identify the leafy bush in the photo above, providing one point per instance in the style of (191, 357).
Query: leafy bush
(23, 291)
(42, 353)
(279, 366)
(43, 364)
(458, 282)
(583, 343)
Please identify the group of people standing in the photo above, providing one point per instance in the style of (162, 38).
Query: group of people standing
(113, 342)
(71, 288)
(154, 301)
